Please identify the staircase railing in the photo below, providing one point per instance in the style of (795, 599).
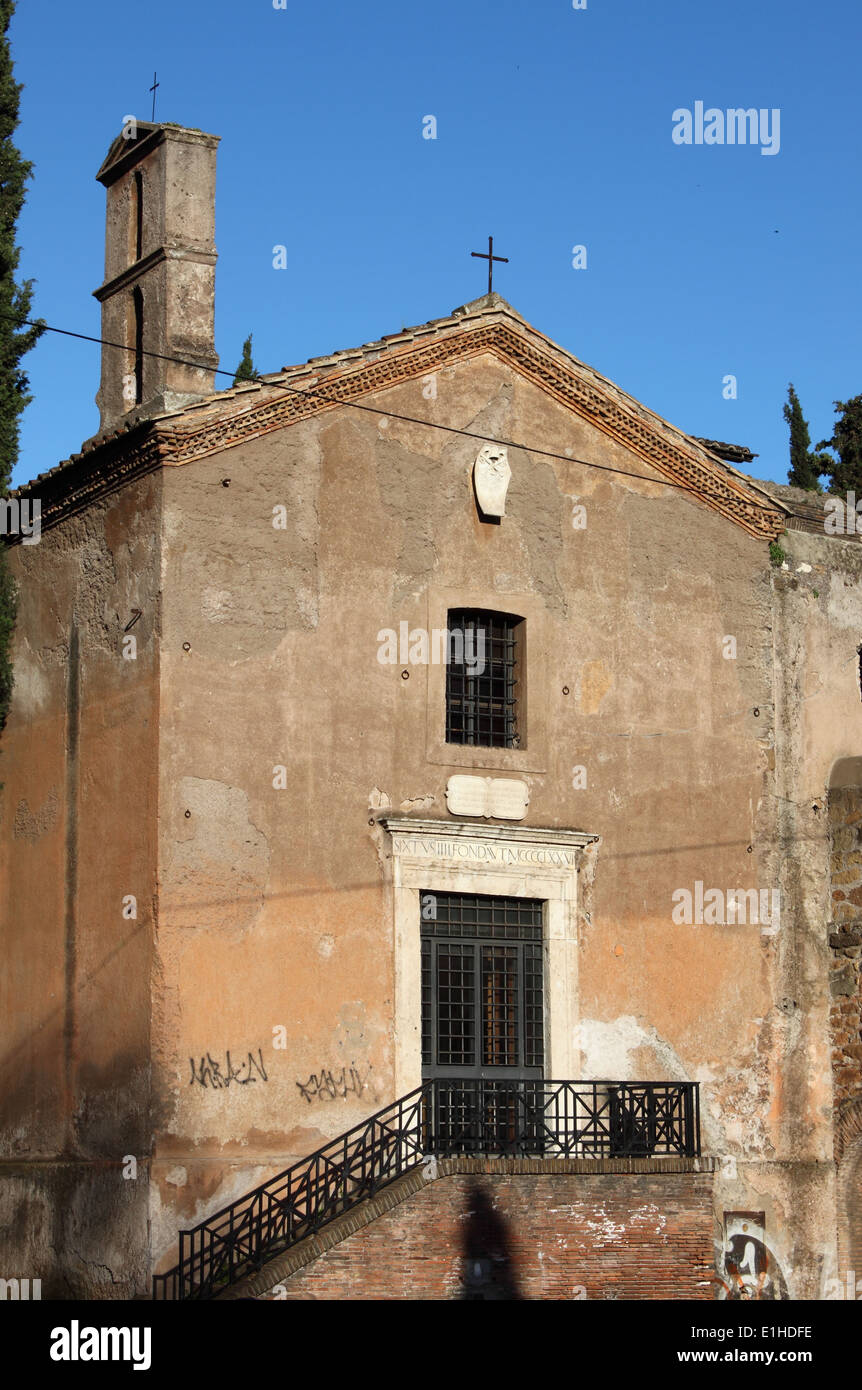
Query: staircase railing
(443, 1117)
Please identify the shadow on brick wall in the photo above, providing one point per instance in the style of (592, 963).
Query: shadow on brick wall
(487, 1268)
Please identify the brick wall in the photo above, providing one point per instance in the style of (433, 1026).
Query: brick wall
(627, 1236)
(848, 1192)
(845, 938)
(854, 1213)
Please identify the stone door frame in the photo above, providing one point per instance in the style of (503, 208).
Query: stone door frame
(469, 857)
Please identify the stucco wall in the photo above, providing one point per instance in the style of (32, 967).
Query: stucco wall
(79, 816)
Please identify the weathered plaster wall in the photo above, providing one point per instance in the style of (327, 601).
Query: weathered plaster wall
(275, 901)
(818, 721)
(78, 813)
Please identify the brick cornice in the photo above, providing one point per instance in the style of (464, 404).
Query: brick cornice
(527, 354)
(91, 476)
(680, 463)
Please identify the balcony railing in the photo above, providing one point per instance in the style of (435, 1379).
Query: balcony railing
(441, 1118)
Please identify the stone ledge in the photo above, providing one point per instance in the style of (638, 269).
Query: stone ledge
(310, 1249)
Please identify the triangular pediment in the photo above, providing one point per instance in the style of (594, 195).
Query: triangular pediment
(126, 151)
(137, 139)
(488, 326)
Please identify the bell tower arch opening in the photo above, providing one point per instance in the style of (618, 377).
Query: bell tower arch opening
(138, 328)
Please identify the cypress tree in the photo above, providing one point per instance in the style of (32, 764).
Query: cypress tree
(845, 472)
(15, 340)
(805, 466)
(246, 371)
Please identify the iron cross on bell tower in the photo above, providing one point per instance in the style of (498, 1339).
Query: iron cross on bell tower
(490, 258)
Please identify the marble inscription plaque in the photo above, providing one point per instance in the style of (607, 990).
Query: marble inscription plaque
(505, 798)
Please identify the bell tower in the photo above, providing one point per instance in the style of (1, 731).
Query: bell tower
(159, 290)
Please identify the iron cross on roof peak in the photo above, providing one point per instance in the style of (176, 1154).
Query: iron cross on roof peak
(490, 258)
(153, 90)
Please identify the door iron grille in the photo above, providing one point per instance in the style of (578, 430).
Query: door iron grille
(483, 1014)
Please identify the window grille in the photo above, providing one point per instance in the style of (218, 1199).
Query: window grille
(481, 689)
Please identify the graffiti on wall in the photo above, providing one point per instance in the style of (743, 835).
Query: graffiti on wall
(209, 1072)
(330, 1085)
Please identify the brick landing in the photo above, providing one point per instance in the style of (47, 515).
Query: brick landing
(594, 1228)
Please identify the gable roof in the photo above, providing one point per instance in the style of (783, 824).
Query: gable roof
(487, 326)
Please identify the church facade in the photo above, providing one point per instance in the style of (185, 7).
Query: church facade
(433, 708)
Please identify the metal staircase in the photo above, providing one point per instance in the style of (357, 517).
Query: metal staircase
(441, 1118)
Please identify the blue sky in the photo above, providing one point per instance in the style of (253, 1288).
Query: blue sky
(554, 129)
